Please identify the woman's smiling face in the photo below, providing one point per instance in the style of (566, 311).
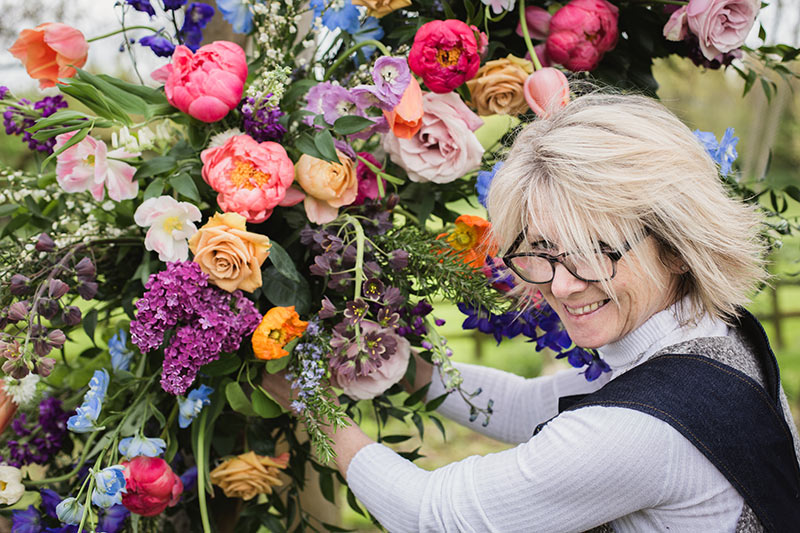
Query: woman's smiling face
(591, 317)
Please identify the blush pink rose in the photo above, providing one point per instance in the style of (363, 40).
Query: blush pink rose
(720, 25)
(379, 380)
(89, 166)
(581, 32)
(150, 486)
(251, 178)
(446, 53)
(206, 84)
(445, 147)
(546, 90)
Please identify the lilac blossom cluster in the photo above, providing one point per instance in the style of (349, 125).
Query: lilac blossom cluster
(261, 120)
(17, 118)
(37, 440)
(206, 321)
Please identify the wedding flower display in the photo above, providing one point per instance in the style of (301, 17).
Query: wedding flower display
(50, 51)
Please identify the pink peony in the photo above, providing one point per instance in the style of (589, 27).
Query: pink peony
(206, 84)
(446, 53)
(546, 90)
(380, 379)
(721, 25)
(445, 148)
(251, 178)
(150, 486)
(89, 166)
(581, 32)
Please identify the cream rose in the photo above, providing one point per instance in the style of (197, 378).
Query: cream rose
(497, 87)
(328, 186)
(11, 487)
(229, 254)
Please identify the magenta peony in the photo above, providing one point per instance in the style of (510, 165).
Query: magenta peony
(251, 178)
(446, 53)
(445, 147)
(206, 84)
(581, 32)
(150, 486)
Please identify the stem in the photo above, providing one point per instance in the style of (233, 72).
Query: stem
(526, 36)
(64, 477)
(88, 505)
(342, 57)
(402, 211)
(121, 30)
(359, 253)
(201, 471)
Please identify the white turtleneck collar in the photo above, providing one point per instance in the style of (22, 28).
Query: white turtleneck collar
(659, 331)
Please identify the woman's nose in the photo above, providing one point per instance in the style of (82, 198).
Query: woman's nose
(564, 283)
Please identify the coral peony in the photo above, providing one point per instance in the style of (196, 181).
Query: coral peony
(497, 88)
(251, 178)
(206, 84)
(150, 486)
(446, 53)
(445, 148)
(229, 254)
(279, 326)
(546, 90)
(247, 475)
(50, 51)
(406, 118)
(328, 186)
(581, 32)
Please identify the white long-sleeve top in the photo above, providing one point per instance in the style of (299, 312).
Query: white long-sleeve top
(585, 468)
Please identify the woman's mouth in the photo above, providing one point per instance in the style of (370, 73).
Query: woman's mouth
(585, 309)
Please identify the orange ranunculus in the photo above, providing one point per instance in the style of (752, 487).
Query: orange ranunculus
(279, 326)
(50, 51)
(470, 240)
(248, 475)
(405, 119)
(379, 8)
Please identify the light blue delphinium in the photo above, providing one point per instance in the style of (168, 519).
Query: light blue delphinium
(83, 421)
(193, 404)
(723, 152)
(70, 511)
(370, 30)
(485, 178)
(341, 14)
(121, 355)
(237, 13)
(98, 385)
(109, 486)
(141, 445)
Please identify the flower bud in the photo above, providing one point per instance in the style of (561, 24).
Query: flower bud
(44, 366)
(392, 200)
(85, 268)
(41, 347)
(87, 289)
(57, 288)
(16, 369)
(47, 308)
(19, 285)
(45, 243)
(18, 311)
(56, 338)
(398, 259)
(71, 316)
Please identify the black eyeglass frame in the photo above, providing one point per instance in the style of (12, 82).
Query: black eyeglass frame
(613, 255)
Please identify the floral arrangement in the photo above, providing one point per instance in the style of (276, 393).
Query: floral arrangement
(287, 211)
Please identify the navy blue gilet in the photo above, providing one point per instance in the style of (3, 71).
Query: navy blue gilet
(729, 417)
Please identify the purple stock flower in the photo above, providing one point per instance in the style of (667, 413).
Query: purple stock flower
(391, 76)
(262, 121)
(161, 46)
(16, 121)
(41, 447)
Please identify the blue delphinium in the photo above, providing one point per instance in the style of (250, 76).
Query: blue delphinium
(83, 421)
(723, 152)
(161, 46)
(198, 16)
(193, 404)
(112, 520)
(121, 355)
(485, 178)
(70, 511)
(27, 521)
(141, 445)
(339, 15)
(172, 5)
(370, 30)
(109, 485)
(142, 5)
(237, 13)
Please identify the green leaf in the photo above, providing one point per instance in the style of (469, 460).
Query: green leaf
(148, 94)
(155, 166)
(436, 402)
(159, 417)
(276, 365)
(438, 424)
(93, 99)
(282, 291)
(90, 324)
(749, 80)
(155, 188)
(305, 143)
(762, 34)
(295, 91)
(184, 184)
(417, 396)
(172, 448)
(418, 422)
(793, 192)
(395, 439)
(8, 209)
(127, 101)
(351, 501)
(326, 486)
(282, 261)
(323, 140)
(222, 366)
(237, 399)
(59, 117)
(75, 139)
(263, 404)
(43, 135)
(349, 124)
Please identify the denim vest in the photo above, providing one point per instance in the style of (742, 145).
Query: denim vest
(728, 416)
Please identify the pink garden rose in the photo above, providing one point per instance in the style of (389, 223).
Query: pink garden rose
(381, 378)
(251, 178)
(445, 147)
(150, 486)
(446, 53)
(89, 166)
(581, 32)
(720, 25)
(546, 90)
(206, 84)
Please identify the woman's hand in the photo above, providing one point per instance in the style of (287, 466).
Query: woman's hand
(278, 387)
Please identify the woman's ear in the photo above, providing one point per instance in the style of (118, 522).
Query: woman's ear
(673, 263)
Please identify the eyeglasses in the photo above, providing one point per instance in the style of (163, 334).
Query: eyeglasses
(536, 267)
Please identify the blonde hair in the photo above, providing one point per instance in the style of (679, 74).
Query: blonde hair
(608, 169)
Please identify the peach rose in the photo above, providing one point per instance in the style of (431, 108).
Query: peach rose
(328, 186)
(229, 254)
(248, 475)
(497, 87)
(50, 51)
(380, 8)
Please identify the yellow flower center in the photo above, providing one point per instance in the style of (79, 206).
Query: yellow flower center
(248, 176)
(90, 160)
(463, 237)
(3, 485)
(172, 224)
(448, 58)
(277, 335)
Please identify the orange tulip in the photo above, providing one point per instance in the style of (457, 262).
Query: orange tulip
(405, 120)
(50, 51)
(546, 90)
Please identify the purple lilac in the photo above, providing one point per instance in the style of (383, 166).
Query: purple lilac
(261, 121)
(3, 91)
(16, 121)
(38, 441)
(207, 321)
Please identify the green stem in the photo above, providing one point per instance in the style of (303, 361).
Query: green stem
(342, 57)
(57, 479)
(359, 253)
(526, 36)
(115, 32)
(87, 506)
(408, 214)
(201, 471)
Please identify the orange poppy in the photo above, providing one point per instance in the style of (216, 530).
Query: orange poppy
(471, 240)
(279, 326)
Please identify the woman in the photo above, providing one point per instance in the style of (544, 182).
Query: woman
(614, 211)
